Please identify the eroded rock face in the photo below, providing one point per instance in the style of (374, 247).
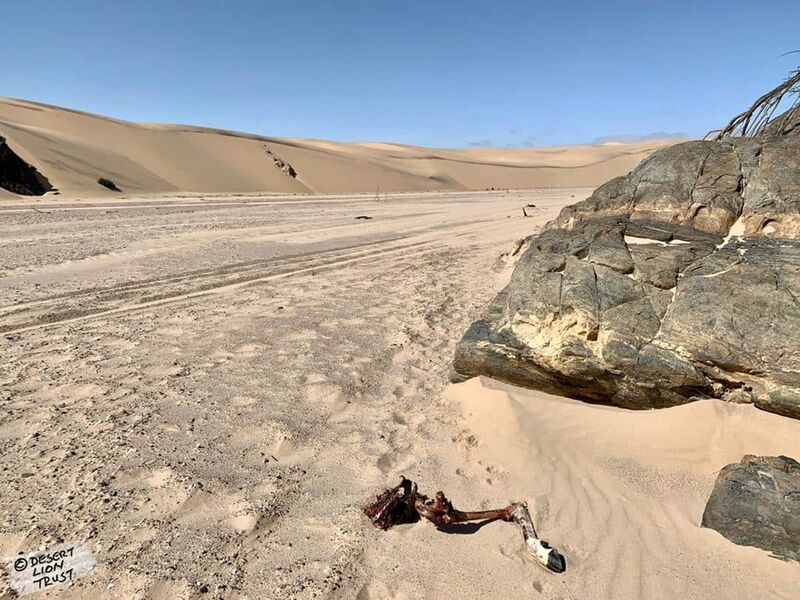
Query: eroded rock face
(678, 281)
(19, 177)
(757, 503)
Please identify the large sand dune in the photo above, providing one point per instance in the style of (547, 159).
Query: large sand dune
(73, 149)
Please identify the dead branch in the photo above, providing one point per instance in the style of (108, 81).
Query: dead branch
(753, 120)
(404, 504)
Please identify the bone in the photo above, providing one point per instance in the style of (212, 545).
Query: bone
(404, 504)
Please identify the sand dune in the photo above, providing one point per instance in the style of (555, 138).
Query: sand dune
(73, 149)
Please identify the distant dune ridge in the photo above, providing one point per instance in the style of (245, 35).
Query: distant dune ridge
(74, 149)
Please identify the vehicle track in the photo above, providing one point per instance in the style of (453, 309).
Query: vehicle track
(231, 268)
(96, 302)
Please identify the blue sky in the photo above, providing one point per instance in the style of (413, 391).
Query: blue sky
(447, 73)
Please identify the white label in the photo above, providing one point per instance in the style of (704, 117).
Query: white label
(47, 568)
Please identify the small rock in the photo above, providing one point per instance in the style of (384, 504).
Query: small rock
(756, 502)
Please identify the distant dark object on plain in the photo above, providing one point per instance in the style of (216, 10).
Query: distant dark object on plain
(18, 177)
(363, 218)
(107, 183)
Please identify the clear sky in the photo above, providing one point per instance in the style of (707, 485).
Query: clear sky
(436, 73)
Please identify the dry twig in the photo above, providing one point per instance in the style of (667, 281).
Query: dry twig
(753, 121)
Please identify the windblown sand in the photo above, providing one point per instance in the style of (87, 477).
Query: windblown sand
(207, 389)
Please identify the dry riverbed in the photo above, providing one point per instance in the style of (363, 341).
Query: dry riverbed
(206, 389)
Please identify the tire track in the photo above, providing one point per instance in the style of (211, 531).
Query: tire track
(115, 300)
(228, 269)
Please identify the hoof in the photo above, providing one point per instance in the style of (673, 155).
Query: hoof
(556, 562)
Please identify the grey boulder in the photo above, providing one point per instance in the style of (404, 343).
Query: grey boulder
(676, 282)
(757, 503)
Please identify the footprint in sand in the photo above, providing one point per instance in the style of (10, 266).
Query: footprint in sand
(244, 523)
(386, 462)
(403, 391)
(314, 378)
(248, 350)
(158, 371)
(399, 419)
(170, 590)
(220, 355)
(155, 492)
(141, 478)
(287, 452)
(76, 391)
(201, 505)
(377, 590)
(330, 396)
(302, 335)
(243, 401)
(395, 460)
(159, 478)
(242, 519)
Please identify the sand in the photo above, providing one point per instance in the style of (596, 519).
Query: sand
(73, 149)
(206, 389)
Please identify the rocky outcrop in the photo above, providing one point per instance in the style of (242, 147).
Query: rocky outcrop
(757, 503)
(19, 177)
(282, 164)
(108, 184)
(678, 281)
